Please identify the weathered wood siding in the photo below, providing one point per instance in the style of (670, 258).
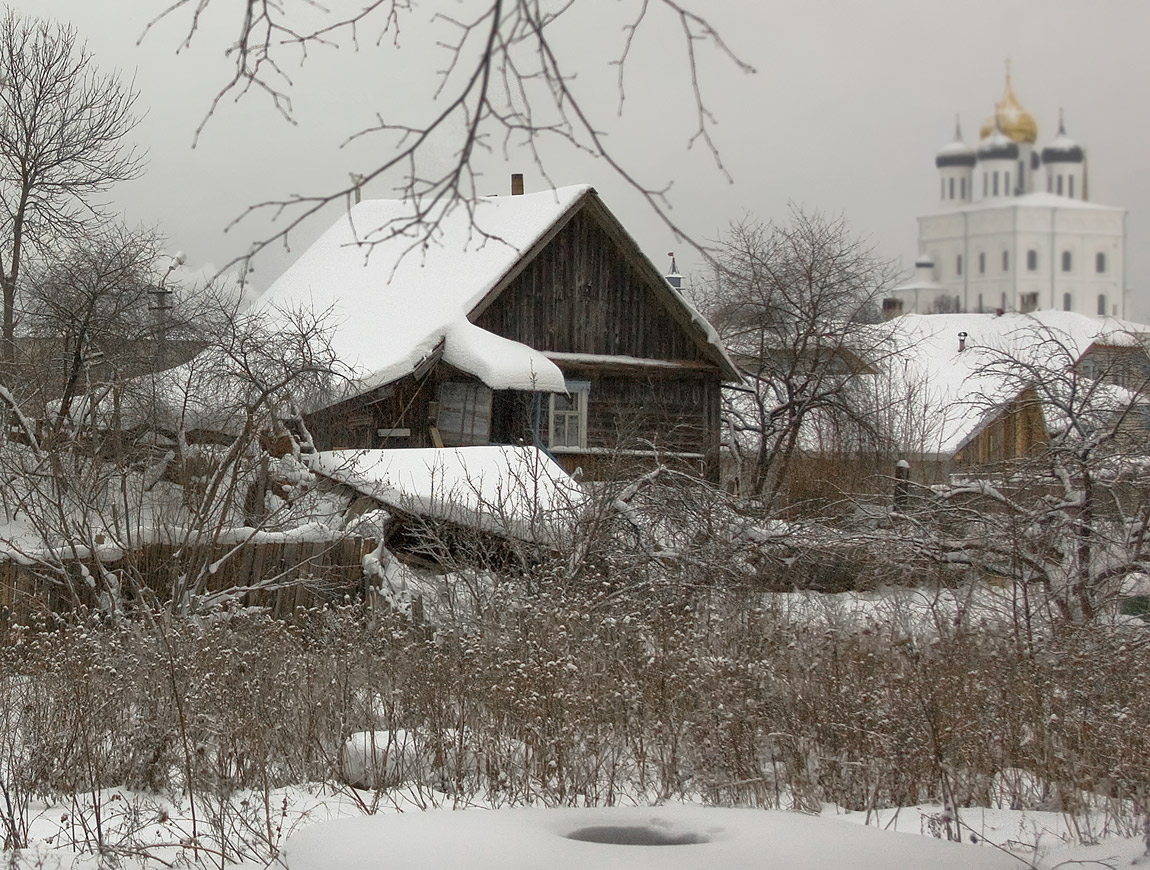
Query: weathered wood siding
(301, 574)
(582, 294)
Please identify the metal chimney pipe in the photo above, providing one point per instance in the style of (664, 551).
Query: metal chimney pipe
(961, 342)
(517, 184)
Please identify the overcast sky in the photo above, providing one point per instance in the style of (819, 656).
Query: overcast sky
(848, 106)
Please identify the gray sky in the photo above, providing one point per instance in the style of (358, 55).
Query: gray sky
(849, 104)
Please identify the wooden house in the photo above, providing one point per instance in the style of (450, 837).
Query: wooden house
(527, 319)
(995, 388)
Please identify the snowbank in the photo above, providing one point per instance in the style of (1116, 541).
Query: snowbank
(637, 838)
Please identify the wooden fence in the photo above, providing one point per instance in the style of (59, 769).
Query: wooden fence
(281, 576)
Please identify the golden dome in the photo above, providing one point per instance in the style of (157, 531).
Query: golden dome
(1011, 118)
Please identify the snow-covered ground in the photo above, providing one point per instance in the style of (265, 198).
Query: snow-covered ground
(317, 828)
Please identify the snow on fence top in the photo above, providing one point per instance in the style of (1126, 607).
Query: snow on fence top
(516, 491)
(395, 287)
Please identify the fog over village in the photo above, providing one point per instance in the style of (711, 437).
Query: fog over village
(509, 432)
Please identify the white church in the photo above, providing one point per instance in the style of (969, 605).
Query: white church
(1015, 229)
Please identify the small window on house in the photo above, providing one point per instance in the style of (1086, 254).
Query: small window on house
(568, 425)
(1066, 301)
(995, 185)
(952, 188)
(958, 265)
(464, 414)
(1101, 304)
(1070, 186)
(1006, 261)
(981, 264)
(1059, 191)
(1032, 261)
(1067, 261)
(1100, 262)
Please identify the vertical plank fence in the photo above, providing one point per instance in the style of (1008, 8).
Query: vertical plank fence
(280, 575)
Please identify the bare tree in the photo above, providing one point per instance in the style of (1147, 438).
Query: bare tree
(93, 314)
(795, 305)
(63, 128)
(506, 82)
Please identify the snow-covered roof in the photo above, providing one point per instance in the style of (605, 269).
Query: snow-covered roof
(1041, 199)
(960, 388)
(515, 491)
(393, 294)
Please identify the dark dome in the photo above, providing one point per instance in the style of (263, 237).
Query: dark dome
(1062, 150)
(998, 146)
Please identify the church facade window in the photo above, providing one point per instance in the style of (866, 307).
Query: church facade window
(1101, 304)
(1067, 261)
(1100, 263)
(1032, 260)
(1066, 300)
(982, 264)
(1006, 261)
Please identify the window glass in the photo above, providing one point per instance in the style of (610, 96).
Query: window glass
(1066, 301)
(1100, 262)
(1101, 304)
(1067, 261)
(568, 426)
(1032, 260)
(981, 263)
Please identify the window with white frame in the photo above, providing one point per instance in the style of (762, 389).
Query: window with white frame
(567, 429)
